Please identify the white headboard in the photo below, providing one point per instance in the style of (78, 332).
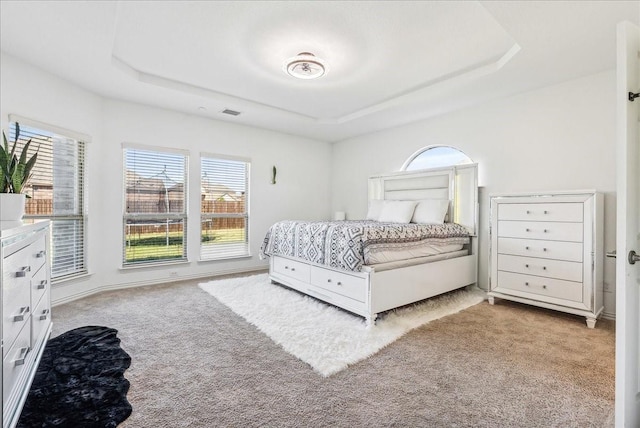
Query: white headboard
(457, 183)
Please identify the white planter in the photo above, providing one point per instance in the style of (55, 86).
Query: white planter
(11, 206)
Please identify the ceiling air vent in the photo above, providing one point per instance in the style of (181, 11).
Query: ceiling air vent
(231, 112)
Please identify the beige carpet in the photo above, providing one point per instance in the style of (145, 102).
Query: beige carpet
(197, 364)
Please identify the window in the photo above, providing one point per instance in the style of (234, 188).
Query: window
(224, 211)
(155, 214)
(56, 192)
(434, 157)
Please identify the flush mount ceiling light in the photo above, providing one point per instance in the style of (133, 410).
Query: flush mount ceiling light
(305, 66)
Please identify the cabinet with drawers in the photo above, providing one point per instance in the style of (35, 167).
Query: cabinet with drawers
(26, 311)
(547, 250)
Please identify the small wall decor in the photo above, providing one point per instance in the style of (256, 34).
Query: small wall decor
(273, 175)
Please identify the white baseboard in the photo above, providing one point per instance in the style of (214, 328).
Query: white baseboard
(122, 286)
(609, 316)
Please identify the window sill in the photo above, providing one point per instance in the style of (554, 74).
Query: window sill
(69, 279)
(153, 265)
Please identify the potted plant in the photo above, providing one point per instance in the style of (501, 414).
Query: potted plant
(15, 172)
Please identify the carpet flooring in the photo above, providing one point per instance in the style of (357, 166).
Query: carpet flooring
(197, 364)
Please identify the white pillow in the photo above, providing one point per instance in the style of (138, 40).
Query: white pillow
(430, 211)
(397, 211)
(375, 207)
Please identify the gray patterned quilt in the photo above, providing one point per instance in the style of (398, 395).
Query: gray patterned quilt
(343, 244)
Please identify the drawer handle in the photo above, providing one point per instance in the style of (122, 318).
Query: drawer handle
(44, 315)
(329, 280)
(544, 286)
(23, 272)
(40, 254)
(528, 230)
(528, 212)
(526, 266)
(545, 230)
(21, 356)
(292, 269)
(544, 249)
(546, 212)
(42, 284)
(544, 268)
(526, 283)
(23, 311)
(339, 283)
(286, 267)
(526, 248)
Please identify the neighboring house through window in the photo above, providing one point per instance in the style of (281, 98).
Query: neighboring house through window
(224, 216)
(155, 211)
(56, 192)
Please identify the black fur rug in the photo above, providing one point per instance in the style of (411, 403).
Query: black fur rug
(80, 382)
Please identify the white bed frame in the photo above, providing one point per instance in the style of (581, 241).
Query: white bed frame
(371, 292)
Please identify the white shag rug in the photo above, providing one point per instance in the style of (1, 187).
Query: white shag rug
(323, 336)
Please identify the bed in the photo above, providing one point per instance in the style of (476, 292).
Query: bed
(371, 266)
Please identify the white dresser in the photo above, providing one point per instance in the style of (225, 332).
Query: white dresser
(547, 250)
(26, 311)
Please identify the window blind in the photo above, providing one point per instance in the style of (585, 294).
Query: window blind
(56, 192)
(155, 216)
(224, 210)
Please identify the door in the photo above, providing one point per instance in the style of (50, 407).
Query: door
(627, 412)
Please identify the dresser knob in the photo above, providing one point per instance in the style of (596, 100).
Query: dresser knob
(526, 283)
(546, 212)
(544, 249)
(545, 230)
(544, 268)
(339, 283)
(526, 266)
(329, 280)
(526, 248)
(544, 286)
(293, 269)
(40, 254)
(527, 229)
(42, 284)
(528, 212)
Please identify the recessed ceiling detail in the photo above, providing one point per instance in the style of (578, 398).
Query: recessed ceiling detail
(305, 66)
(390, 63)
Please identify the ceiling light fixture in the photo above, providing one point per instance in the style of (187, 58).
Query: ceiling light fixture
(305, 66)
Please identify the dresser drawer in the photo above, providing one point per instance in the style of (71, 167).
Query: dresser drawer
(569, 212)
(551, 231)
(41, 318)
(14, 362)
(347, 285)
(291, 268)
(559, 250)
(527, 285)
(36, 253)
(570, 271)
(39, 286)
(16, 296)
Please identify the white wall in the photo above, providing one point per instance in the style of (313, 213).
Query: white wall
(557, 138)
(302, 190)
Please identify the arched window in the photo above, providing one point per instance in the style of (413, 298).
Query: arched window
(434, 157)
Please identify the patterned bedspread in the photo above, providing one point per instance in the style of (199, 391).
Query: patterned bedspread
(343, 244)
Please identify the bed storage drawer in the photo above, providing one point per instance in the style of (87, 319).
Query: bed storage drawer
(291, 268)
(347, 285)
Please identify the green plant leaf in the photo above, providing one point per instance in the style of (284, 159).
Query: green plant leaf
(17, 178)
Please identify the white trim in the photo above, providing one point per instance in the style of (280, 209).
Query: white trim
(140, 265)
(85, 138)
(152, 148)
(122, 286)
(210, 155)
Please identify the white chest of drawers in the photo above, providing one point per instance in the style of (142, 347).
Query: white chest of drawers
(26, 311)
(547, 250)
